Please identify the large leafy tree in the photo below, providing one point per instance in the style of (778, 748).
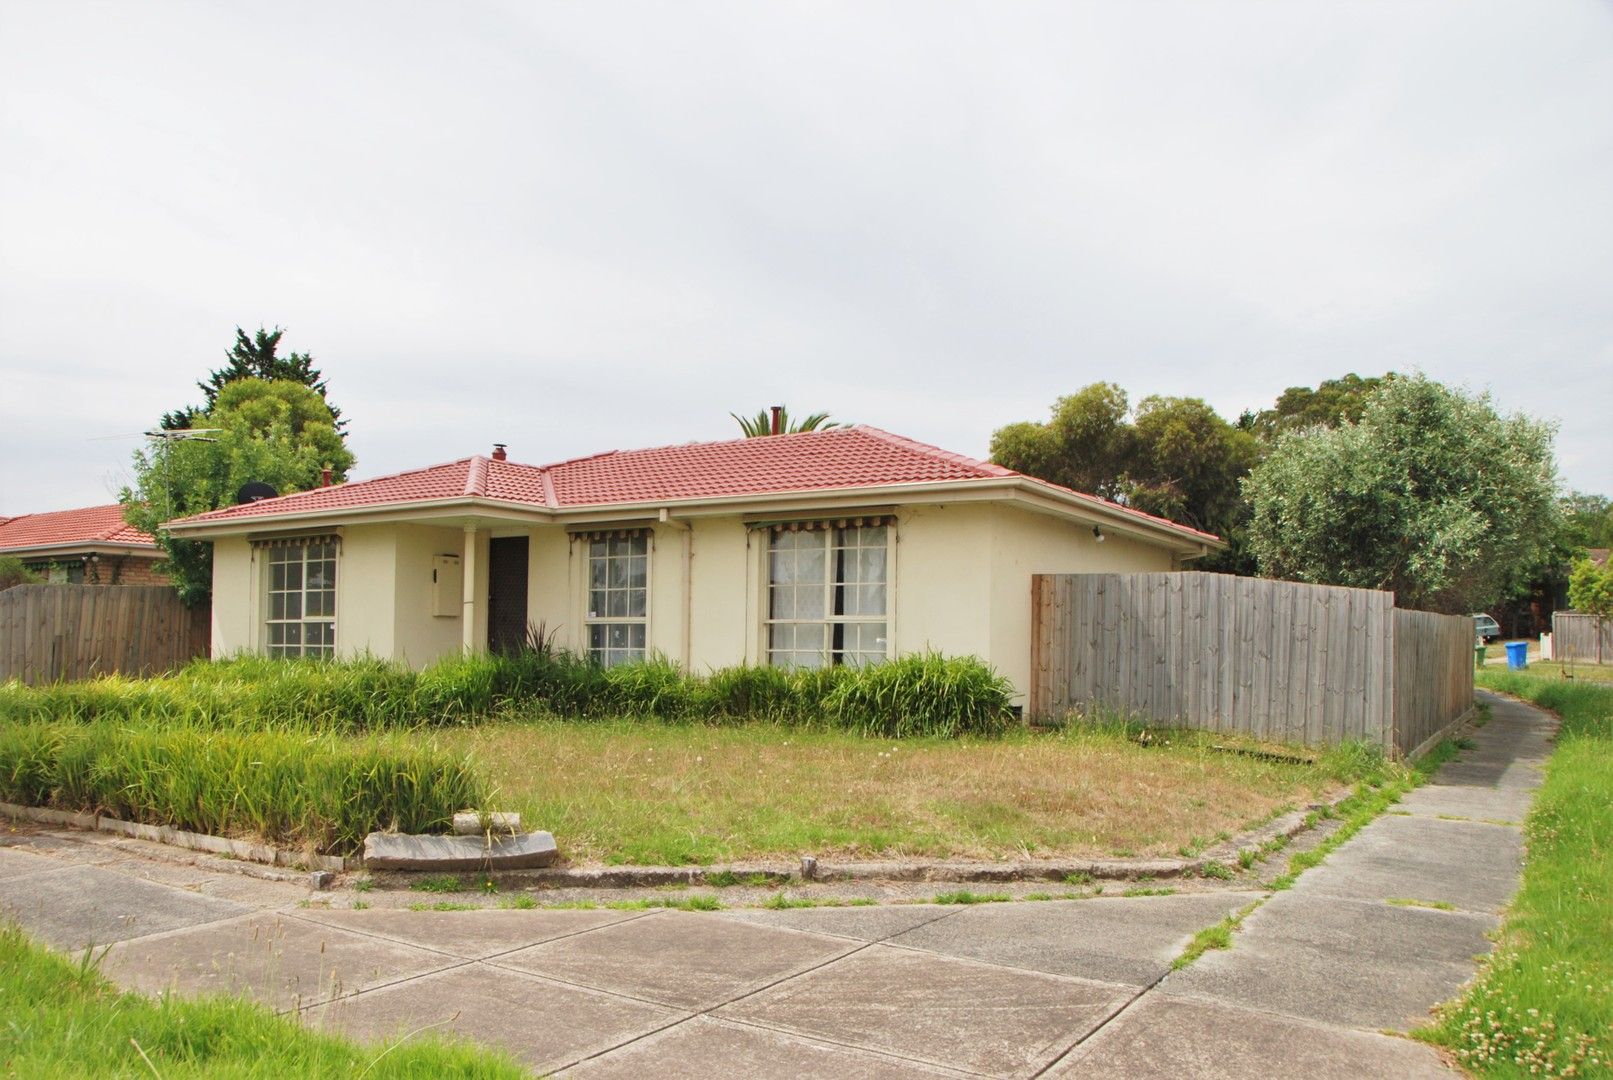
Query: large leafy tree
(1329, 404)
(255, 357)
(1588, 521)
(1431, 494)
(762, 423)
(279, 432)
(1171, 456)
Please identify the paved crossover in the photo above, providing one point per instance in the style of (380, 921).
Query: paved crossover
(1062, 988)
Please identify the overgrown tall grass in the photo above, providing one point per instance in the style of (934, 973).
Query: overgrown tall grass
(915, 695)
(1543, 1002)
(299, 789)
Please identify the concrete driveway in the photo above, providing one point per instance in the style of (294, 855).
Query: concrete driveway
(1061, 988)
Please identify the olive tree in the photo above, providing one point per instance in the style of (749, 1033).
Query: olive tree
(1431, 494)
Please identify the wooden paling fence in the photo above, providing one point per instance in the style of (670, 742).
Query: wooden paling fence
(54, 632)
(1573, 637)
(1275, 660)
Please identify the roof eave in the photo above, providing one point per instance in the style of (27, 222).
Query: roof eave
(1021, 489)
(83, 547)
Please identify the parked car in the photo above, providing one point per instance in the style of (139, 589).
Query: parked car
(1485, 627)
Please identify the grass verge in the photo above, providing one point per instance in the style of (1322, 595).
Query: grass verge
(1543, 1002)
(63, 1020)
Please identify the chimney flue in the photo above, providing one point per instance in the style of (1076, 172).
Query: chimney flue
(778, 420)
(324, 476)
(499, 453)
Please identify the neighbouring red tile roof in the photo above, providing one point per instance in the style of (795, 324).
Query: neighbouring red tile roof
(62, 528)
(835, 459)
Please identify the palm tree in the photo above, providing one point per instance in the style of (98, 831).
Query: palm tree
(762, 422)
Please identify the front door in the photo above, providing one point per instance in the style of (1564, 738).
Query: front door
(507, 560)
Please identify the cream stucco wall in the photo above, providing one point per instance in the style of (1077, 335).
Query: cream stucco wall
(418, 636)
(960, 585)
(943, 586)
(366, 591)
(234, 598)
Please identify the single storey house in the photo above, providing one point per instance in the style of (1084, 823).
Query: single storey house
(92, 545)
(841, 546)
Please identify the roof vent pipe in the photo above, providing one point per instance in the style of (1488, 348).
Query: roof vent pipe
(499, 453)
(778, 420)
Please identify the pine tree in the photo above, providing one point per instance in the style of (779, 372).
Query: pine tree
(255, 358)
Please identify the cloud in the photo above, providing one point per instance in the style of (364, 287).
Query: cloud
(572, 228)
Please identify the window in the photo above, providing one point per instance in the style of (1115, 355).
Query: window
(302, 599)
(618, 597)
(826, 596)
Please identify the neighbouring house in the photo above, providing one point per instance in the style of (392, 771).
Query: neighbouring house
(89, 546)
(848, 545)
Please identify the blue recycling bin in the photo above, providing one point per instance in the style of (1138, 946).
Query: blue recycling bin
(1517, 655)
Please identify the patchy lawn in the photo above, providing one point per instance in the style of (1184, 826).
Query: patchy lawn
(647, 793)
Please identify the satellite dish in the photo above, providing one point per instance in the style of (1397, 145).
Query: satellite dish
(254, 491)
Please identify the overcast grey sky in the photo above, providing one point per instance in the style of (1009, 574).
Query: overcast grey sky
(584, 226)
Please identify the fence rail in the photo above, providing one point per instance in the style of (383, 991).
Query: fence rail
(54, 632)
(1274, 660)
(1573, 637)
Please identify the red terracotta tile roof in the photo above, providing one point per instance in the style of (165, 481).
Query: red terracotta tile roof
(63, 528)
(832, 460)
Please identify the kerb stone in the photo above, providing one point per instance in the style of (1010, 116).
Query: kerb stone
(399, 851)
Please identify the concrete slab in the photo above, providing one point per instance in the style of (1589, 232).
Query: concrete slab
(283, 962)
(471, 935)
(1117, 939)
(1472, 865)
(546, 1024)
(1187, 1039)
(681, 959)
(860, 923)
(1360, 964)
(701, 1048)
(1510, 805)
(14, 863)
(400, 851)
(936, 1009)
(80, 906)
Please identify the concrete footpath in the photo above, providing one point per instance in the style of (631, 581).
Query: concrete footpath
(1056, 988)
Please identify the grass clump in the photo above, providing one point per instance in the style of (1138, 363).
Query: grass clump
(63, 1019)
(1218, 936)
(914, 695)
(964, 896)
(1543, 1002)
(437, 883)
(286, 788)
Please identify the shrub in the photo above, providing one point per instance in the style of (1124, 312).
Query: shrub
(284, 787)
(921, 695)
(13, 572)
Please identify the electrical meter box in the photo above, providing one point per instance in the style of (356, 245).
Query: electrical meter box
(447, 587)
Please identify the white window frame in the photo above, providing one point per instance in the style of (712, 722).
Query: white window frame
(274, 555)
(835, 534)
(592, 618)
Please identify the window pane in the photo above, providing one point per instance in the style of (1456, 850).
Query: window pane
(809, 601)
(781, 604)
(293, 605)
(869, 565)
(294, 575)
(292, 633)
